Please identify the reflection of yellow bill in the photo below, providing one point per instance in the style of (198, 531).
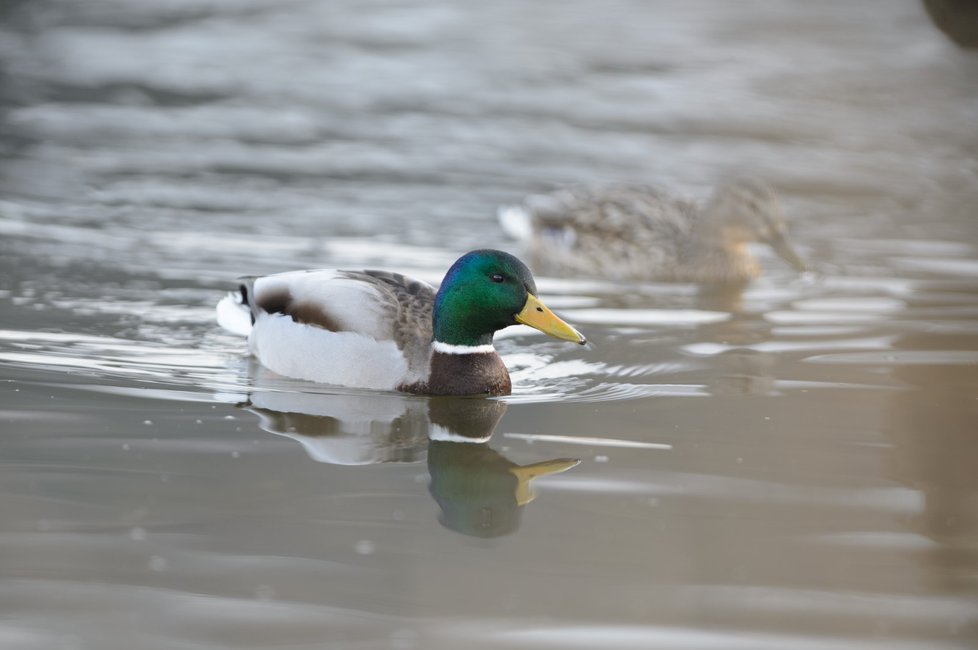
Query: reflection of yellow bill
(526, 473)
(538, 316)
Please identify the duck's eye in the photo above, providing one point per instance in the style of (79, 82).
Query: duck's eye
(497, 277)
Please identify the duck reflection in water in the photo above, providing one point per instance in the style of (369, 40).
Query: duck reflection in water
(347, 429)
(480, 492)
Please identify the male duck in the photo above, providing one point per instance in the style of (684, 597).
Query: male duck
(381, 330)
(638, 233)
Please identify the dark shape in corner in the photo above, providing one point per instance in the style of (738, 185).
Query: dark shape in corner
(958, 19)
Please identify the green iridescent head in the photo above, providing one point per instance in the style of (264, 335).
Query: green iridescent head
(485, 291)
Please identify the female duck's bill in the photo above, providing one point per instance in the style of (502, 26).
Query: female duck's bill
(779, 243)
(384, 331)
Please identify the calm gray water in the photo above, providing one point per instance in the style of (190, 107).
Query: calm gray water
(793, 468)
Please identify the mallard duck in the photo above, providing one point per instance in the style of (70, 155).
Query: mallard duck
(625, 232)
(385, 331)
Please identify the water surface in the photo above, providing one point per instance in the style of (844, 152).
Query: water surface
(794, 466)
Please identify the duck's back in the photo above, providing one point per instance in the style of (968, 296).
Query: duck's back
(618, 231)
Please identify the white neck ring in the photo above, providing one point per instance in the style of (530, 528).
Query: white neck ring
(448, 348)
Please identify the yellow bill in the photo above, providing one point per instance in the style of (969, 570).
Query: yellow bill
(538, 316)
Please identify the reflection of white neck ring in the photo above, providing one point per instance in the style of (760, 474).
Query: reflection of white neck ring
(448, 348)
(444, 434)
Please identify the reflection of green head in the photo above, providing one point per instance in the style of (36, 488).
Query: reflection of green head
(469, 481)
(474, 489)
(480, 492)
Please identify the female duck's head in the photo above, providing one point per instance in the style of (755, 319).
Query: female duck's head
(746, 210)
(487, 290)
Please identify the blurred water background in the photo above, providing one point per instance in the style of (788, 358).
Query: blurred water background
(793, 467)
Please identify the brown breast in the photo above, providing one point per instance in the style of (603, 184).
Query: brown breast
(479, 373)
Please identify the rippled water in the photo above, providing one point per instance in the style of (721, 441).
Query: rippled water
(795, 466)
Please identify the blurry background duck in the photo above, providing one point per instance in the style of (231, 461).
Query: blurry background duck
(385, 331)
(479, 491)
(637, 233)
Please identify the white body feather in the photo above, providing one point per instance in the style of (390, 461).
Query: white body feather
(364, 355)
(341, 358)
(353, 304)
(233, 316)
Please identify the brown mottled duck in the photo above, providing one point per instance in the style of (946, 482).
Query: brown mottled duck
(638, 233)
